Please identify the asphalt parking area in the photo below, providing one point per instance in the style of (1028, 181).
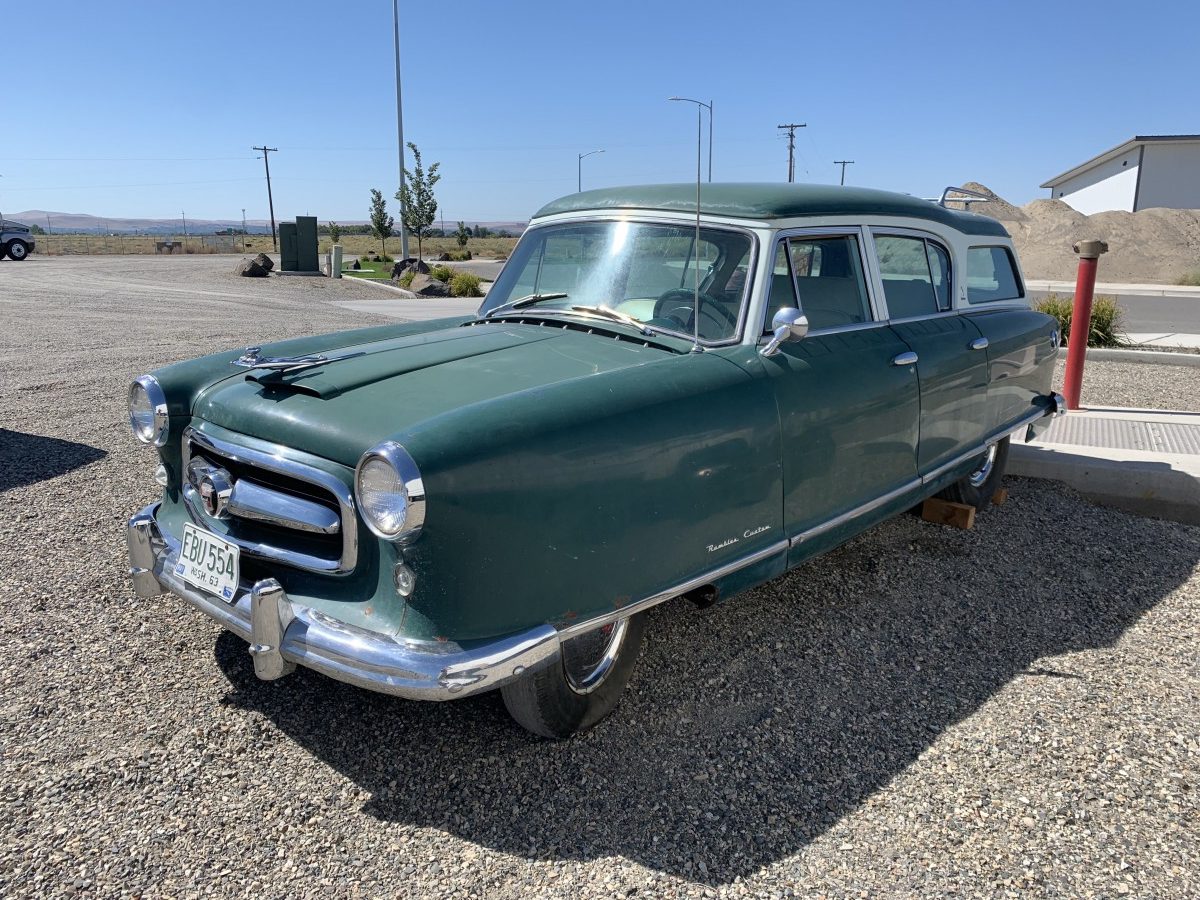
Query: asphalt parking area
(1009, 710)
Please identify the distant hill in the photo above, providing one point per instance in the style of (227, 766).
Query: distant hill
(90, 224)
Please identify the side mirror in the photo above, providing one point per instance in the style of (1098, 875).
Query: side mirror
(789, 324)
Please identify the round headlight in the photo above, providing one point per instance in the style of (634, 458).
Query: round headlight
(390, 494)
(148, 411)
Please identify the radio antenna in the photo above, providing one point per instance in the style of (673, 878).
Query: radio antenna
(696, 348)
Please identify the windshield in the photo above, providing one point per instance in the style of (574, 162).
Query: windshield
(642, 270)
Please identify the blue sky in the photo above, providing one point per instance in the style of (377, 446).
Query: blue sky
(149, 108)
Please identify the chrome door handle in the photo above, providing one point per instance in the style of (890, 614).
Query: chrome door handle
(979, 344)
(905, 359)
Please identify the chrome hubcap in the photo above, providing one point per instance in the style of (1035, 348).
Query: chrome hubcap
(589, 659)
(980, 475)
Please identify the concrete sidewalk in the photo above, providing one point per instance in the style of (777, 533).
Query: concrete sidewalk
(1143, 461)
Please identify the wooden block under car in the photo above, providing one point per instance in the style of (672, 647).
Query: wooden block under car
(999, 497)
(943, 512)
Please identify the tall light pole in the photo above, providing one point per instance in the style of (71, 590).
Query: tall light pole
(843, 163)
(399, 125)
(709, 107)
(579, 178)
(270, 200)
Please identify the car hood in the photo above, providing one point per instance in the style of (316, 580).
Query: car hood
(369, 392)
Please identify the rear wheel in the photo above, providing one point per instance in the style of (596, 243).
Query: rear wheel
(18, 250)
(584, 687)
(977, 487)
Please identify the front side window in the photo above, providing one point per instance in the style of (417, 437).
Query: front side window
(991, 275)
(826, 272)
(642, 270)
(915, 274)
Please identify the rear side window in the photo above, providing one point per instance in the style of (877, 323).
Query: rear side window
(991, 275)
(916, 275)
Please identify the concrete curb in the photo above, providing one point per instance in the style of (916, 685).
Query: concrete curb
(1146, 484)
(1150, 357)
(409, 295)
(1112, 287)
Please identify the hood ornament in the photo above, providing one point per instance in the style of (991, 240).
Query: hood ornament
(252, 358)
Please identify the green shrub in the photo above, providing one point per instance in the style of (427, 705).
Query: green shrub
(1106, 319)
(459, 255)
(464, 284)
(383, 257)
(406, 278)
(441, 273)
(1192, 278)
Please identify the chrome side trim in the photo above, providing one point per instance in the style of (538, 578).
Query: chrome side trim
(277, 461)
(852, 514)
(577, 628)
(253, 501)
(982, 448)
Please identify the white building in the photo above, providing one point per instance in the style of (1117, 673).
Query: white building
(1146, 171)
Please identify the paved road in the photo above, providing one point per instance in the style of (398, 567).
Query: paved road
(1144, 313)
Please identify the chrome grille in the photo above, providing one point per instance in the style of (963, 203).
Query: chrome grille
(281, 509)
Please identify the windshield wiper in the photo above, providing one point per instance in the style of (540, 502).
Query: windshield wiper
(608, 312)
(527, 300)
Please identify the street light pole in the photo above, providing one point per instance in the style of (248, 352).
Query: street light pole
(709, 107)
(399, 125)
(579, 175)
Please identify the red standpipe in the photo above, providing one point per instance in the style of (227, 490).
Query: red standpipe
(1081, 318)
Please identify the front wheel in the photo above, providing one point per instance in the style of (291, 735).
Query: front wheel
(584, 687)
(977, 487)
(18, 250)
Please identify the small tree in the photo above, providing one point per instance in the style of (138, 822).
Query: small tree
(463, 234)
(335, 232)
(381, 223)
(418, 206)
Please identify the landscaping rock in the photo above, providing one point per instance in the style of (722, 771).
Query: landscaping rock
(357, 266)
(443, 257)
(265, 261)
(250, 268)
(427, 286)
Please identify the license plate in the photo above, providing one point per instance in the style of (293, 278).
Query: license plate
(208, 562)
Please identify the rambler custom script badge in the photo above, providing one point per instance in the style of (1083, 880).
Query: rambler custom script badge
(748, 533)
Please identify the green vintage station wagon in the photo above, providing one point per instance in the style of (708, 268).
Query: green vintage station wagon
(656, 399)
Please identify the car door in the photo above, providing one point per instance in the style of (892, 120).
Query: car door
(847, 413)
(1021, 343)
(916, 280)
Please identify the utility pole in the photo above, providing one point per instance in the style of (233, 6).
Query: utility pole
(791, 130)
(243, 229)
(843, 163)
(270, 200)
(183, 215)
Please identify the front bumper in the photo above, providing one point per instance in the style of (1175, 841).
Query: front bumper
(283, 634)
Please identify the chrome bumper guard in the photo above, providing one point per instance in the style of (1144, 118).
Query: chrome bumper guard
(1056, 406)
(283, 634)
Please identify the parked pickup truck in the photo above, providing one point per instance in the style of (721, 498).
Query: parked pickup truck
(16, 240)
(659, 397)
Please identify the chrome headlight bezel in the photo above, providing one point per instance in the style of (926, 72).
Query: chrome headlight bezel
(412, 489)
(154, 413)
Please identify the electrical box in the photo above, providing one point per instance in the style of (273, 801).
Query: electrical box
(289, 258)
(307, 259)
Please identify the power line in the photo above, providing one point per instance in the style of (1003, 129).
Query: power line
(791, 130)
(270, 200)
(843, 163)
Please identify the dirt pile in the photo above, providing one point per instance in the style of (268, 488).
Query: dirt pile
(1153, 245)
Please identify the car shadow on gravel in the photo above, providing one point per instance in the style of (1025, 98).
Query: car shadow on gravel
(751, 728)
(30, 458)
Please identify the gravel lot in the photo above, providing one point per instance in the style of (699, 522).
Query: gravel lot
(1137, 385)
(925, 711)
